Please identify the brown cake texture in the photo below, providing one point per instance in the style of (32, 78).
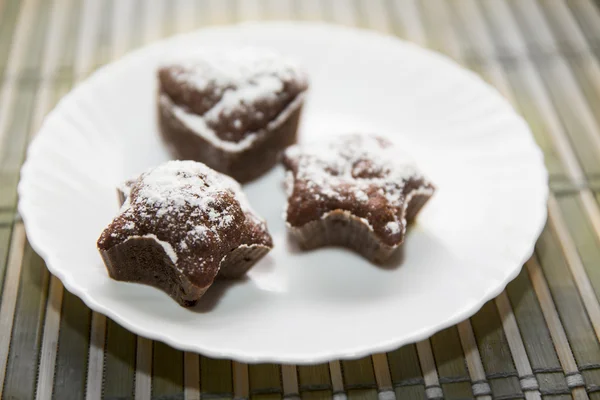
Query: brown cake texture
(357, 191)
(182, 225)
(234, 109)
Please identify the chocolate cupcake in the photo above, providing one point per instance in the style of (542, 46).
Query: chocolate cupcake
(181, 226)
(234, 110)
(357, 191)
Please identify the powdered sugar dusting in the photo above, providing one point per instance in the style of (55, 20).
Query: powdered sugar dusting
(257, 72)
(176, 184)
(188, 196)
(361, 195)
(358, 164)
(393, 227)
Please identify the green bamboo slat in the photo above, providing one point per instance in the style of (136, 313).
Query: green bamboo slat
(58, 56)
(167, 371)
(494, 18)
(560, 186)
(524, 104)
(584, 237)
(381, 367)
(73, 342)
(20, 377)
(7, 216)
(520, 68)
(201, 14)
(587, 154)
(531, 113)
(13, 148)
(67, 56)
(553, 385)
(63, 83)
(577, 53)
(191, 376)
(571, 88)
(556, 77)
(8, 20)
(12, 151)
(587, 15)
(339, 12)
(362, 394)
(557, 331)
(570, 35)
(119, 361)
(5, 235)
(404, 21)
(406, 373)
(359, 9)
(309, 10)
(143, 368)
(576, 266)
(27, 328)
(495, 353)
(289, 380)
(588, 87)
(536, 337)
(359, 378)
(222, 12)
(216, 378)
(437, 24)
(169, 24)
(317, 395)
(430, 375)
(265, 381)
(326, 10)
(104, 40)
(314, 378)
(451, 367)
(31, 63)
(136, 32)
(276, 9)
(578, 328)
(337, 378)
(185, 14)
(235, 15)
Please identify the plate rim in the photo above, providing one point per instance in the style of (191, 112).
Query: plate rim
(35, 236)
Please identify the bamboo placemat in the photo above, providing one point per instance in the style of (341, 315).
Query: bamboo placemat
(539, 338)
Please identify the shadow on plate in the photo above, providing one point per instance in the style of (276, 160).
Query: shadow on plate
(215, 293)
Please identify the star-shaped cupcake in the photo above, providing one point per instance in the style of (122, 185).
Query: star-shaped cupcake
(181, 225)
(233, 109)
(357, 191)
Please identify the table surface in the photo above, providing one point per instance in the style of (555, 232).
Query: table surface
(538, 339)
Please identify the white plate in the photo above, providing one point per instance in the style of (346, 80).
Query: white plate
(302, 307)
